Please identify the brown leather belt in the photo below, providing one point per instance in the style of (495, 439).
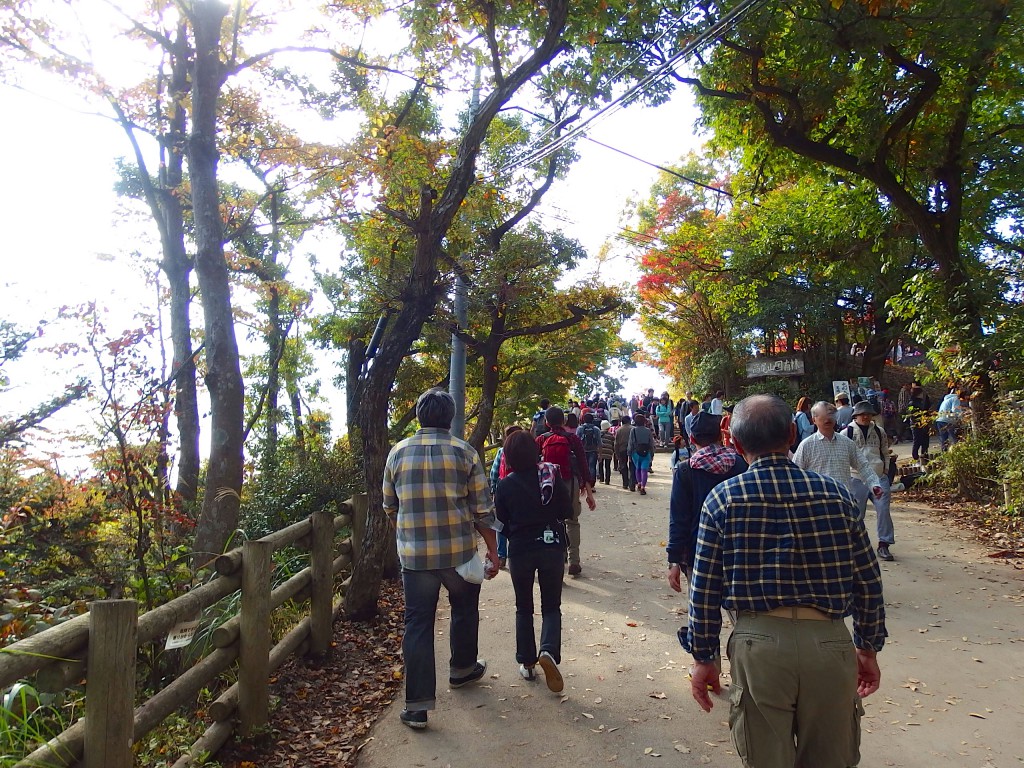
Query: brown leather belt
(797, 612)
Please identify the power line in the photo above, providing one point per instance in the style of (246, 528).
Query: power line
(671, 27)
(631, 156)
(718, 28)
(669, 171)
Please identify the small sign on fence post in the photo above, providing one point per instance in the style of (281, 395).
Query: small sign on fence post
(181, 634)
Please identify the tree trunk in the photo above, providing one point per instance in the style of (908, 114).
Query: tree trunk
(164, 200)
(178, 267)
(371, 395)
(275, 342)
(416, 303)
(219, 516)
(880, 342)
(298, 425)
(488, 393)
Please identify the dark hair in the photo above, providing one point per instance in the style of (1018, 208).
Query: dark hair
(761, 424)
(435, 408)
(640, 420)
(521, 452)
(572, 420)
(554, 416)
(544, 403)
(511, 428)
(624, 418)
(588, 417)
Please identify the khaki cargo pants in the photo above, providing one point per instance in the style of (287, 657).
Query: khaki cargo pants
(793, 699)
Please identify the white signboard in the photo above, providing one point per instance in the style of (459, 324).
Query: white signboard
(840, 387)
(181, 634)
(775, 366)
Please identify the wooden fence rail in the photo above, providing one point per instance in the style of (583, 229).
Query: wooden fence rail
(101, 646)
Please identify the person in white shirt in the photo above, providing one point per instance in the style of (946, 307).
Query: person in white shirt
(716, 403)
(834, 454)
(614, 414)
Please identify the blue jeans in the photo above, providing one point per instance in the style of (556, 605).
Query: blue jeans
(592, 465)
(548, 564)
(422, 589)
(502, 545)
(947, 434)
(886, 532)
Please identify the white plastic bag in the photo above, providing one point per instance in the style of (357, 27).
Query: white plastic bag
(472, 570)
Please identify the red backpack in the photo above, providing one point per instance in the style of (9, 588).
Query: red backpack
(556, 449)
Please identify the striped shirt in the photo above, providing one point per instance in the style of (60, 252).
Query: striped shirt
(779, 536)
(835, 458)
(435, 491)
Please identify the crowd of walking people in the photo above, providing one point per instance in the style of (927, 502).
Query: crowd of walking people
(760, 477)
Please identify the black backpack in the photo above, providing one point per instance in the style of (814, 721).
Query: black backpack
(591, 437)
(539, 425)
(643, 449)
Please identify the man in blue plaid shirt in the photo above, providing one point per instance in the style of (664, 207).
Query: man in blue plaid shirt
(786, 550)
(436, 495)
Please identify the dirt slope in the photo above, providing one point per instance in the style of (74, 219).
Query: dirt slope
(951, 669)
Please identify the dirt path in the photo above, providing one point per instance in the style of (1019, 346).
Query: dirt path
(951, 670)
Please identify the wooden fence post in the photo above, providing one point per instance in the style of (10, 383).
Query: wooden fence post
(321, 556)
(110, 685)
(254, 640)
(360, 507)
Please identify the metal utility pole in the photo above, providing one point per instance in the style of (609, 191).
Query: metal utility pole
(457, 371)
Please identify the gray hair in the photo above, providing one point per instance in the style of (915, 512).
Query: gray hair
(822, 407)
(761, 424)
(435, 408)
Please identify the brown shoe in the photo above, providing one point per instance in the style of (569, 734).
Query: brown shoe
(575, 569)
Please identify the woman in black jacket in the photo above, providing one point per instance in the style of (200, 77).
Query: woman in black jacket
(531, 503)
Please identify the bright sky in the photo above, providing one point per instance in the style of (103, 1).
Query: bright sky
(66, 242)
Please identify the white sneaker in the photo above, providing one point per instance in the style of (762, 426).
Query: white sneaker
(897, 487)
(527, 673)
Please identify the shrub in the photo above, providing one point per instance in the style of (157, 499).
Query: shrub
(970, 468)
(295, 489)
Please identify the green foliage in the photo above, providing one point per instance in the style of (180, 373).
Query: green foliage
(921, 99)
(784, 388)
(970, 468)
(28, 719)
(299, 486)
(712, 371)
(978, 465)
(166, 742)
(58, 537)
(1009, 427)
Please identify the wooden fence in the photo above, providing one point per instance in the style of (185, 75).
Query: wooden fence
(101, 646)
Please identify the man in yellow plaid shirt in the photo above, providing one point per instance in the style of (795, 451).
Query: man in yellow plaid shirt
(437, 497)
